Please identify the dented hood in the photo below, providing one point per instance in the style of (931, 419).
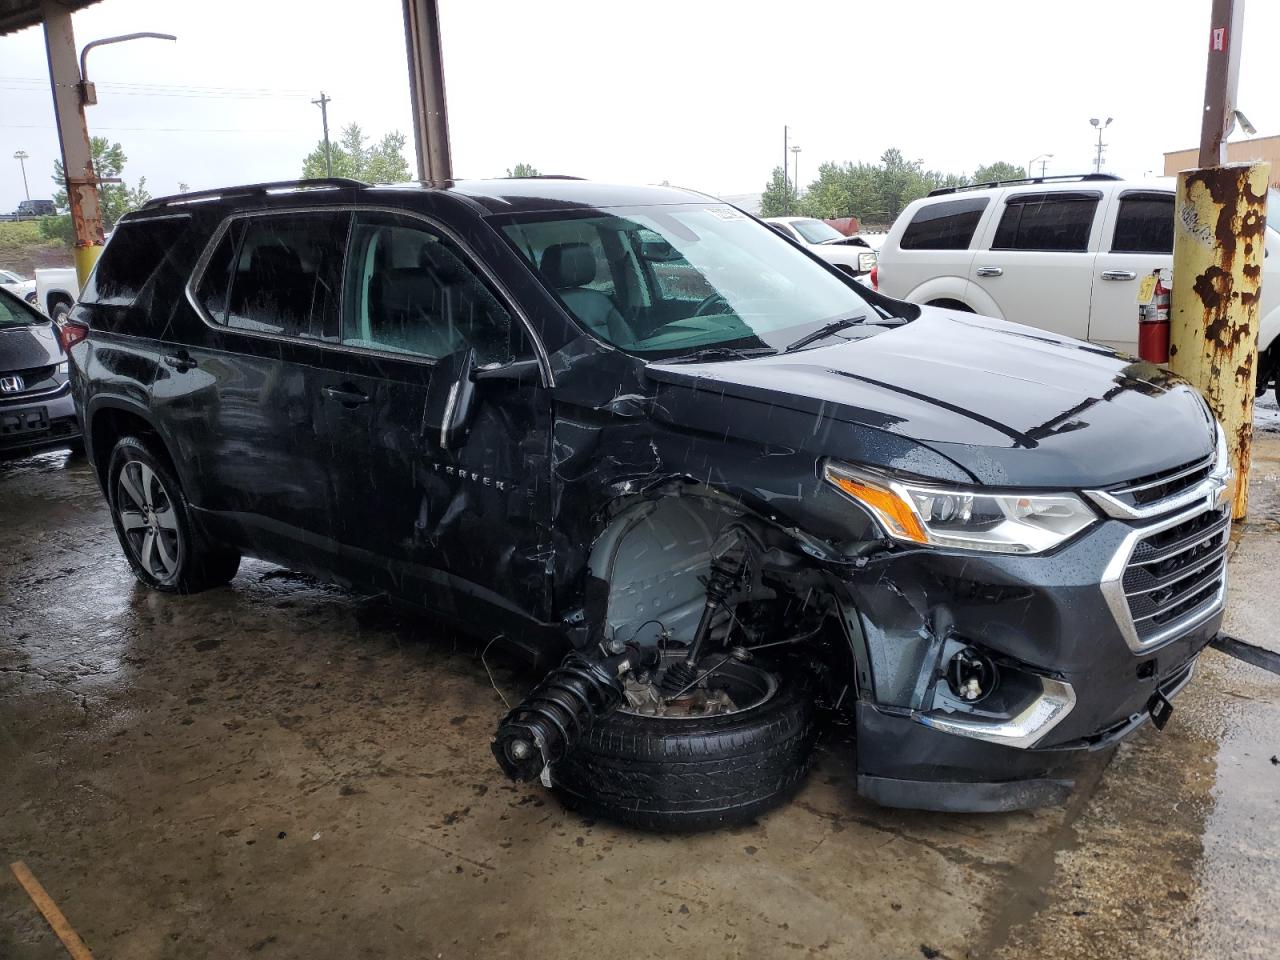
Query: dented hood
(1008, 404)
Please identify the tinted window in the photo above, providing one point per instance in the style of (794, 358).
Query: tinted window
(285, 275)
(1144, 224)
(215, 283)
(136, 249)
(409, 291)
(944, 226)
(1046, 221)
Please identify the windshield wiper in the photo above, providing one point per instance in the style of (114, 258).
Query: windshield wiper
(824, 331)
(720, 353)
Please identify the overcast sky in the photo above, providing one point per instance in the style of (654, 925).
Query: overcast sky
(695, 92)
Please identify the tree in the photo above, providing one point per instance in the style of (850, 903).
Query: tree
(351, 156)
(779, 197)
(523, 170)
(1000, 170)
(114, 199)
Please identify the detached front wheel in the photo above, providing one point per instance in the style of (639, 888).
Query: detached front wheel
(720, 755)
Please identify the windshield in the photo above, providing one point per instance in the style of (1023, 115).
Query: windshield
(666, 280)
(815, 231)
(15, 313)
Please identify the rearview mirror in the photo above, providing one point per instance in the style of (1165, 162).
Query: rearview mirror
(658, 251)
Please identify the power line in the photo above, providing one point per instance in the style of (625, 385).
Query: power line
(46, 126)
(195, 87)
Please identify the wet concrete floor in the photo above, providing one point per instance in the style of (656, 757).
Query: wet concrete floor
(279, 768)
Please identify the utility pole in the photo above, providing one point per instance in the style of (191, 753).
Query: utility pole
(795, 152)
(786, 183)
(1218, 245)
(426, 90)
(323, 104)
(22, 157)
(1097, 163)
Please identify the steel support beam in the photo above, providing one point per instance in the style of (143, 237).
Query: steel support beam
(426, 87)
(73, 137)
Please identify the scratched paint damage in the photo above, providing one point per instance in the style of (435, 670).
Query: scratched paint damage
(658, 515)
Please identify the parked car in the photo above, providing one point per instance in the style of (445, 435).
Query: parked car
(18, 285)
(636, 429)
(851, 254)
(56, 291)
(36, 409)
(28, 209)
(1066, 254)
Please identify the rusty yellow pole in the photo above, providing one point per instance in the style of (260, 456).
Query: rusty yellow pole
(1219, 223)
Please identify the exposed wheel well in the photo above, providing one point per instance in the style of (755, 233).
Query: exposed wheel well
(110, 424)
(947, 303)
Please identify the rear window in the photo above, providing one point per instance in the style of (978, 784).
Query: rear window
(948, 225)
(136, 249)
(279, 274)
(1144, 224)
(1047, 222)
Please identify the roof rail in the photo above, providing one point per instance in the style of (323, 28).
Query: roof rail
(255, 190)
(547, 176)
(1008, 183)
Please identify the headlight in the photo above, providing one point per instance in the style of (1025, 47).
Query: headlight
(962, 518)
(865, 262)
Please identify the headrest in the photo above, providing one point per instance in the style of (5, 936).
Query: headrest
(568, 265)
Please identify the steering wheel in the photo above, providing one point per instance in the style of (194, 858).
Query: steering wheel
(704, 307)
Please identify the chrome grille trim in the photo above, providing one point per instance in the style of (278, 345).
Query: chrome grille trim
(1212, 573)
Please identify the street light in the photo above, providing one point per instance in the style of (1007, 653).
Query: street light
(795, 155)
(88, 94)
(1099, 126)
(22, 157)
(1043, 160)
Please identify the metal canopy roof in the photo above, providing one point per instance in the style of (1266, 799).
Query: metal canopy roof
(19, 14)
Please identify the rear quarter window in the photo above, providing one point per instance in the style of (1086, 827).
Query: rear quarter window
(132, 259)
(948, 225)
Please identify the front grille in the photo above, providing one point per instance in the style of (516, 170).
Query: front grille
(1155, 487)
(34, 380)
(1177, 574)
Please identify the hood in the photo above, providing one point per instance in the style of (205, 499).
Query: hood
(27, 347)
(1010, 405)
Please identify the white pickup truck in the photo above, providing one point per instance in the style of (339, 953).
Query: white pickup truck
(851, 254)
(57, 289)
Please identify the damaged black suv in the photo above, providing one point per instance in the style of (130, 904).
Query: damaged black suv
(717, 491)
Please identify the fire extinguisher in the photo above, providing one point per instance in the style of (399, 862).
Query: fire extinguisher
(1153, 322)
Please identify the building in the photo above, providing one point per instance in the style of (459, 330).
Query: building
(1259, 148)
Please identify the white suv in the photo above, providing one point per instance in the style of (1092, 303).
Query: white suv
(1062, 253)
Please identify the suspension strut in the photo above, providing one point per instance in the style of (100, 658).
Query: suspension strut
(544, 726)
(727, 570)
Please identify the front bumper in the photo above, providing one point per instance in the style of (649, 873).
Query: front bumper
(31, 424)
(1060, 630)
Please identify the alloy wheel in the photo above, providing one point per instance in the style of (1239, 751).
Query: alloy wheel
(149, 520)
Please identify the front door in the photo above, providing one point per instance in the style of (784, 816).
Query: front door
(440, 428)
(1137, 239)
(1038, 262)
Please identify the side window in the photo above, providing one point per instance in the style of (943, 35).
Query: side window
(947, 225)
(136, 250)
(410, 291)
(278, 273)
(1144, 224)
(1047, 222)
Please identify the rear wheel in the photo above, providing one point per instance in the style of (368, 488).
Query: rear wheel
(61, 310)
(153, 522)
(733, 749)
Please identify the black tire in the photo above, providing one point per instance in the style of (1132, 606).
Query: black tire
(61, 310)
(196, 564)
(692, 774)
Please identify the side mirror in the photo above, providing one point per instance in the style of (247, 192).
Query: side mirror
(460, 401)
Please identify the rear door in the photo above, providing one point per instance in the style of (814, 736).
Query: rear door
(1037, 261)
(441, 427)
(1137, 239)
(242, 391)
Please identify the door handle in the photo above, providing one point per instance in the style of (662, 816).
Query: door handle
(1119, 275)
(347, 395)
(180, 361)
(989, 271)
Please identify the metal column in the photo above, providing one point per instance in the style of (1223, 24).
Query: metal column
(73, 137)
(426, 87)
